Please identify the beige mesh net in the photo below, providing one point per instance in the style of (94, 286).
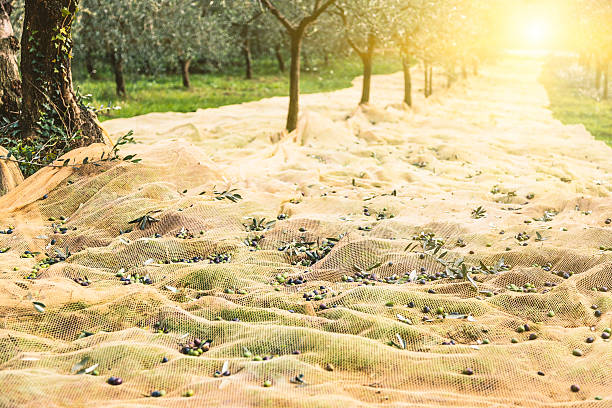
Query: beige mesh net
(346, 299)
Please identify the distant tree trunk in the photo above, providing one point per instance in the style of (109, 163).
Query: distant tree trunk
(475, 67)
(464, 71)
(91, 70)
(294, 81)
(367, 58)
(296, 34)
(367, 79)
(279, 57)
(47, 73)
(306, 59)
(246, 50)
(185, 64)
(407, 80)
(606, 72)
(598, 75)
(326, 59)
(116, 61)
(10, 81)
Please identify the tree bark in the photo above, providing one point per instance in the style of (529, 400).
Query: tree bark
(46, 49)
(10, 81)
(185, 64)
(116, 61)
(294, 81)
(407, 80)
(246, 50)
(279, 58)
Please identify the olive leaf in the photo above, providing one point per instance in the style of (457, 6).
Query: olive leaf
(400, 342)
(230, 195)
(146, 220)
(479, 213)
(40, 307)
(78, 367)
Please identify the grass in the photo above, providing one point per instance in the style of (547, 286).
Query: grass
(574, 99)
(166, 93)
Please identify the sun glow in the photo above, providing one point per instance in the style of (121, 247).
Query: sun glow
(531, 25)
(537, 32)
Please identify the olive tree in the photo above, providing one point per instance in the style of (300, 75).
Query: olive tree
(181, 31)
(123, 31)
(296, 16)
(367, 24)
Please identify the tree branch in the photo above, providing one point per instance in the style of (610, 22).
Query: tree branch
(316, 13)
(276, 13)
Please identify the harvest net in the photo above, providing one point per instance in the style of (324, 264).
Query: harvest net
(356, 295)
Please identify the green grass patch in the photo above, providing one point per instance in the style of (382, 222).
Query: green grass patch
(166, 94)
(574, 99)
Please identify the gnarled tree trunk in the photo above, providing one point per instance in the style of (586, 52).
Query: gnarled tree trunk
(46, 49)
(10, 81)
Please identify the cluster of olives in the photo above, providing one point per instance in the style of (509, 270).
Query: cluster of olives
(196, 348)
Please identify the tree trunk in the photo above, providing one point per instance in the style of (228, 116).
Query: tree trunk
(598, 76)
(248, 60)
(89, 65)
(367, 78)
(46, 51)
(279, 58)
(185, 64)
(10, 81)
(294, 80)
(407, 81)
(430, 90)
(367, 58)
(606, 72)
(116, 61)
(464, 71)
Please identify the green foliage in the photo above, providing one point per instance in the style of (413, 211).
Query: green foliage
(574, 100)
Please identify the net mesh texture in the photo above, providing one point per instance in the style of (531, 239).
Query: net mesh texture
(345, 299)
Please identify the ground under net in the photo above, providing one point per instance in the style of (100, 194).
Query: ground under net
(457, 254)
